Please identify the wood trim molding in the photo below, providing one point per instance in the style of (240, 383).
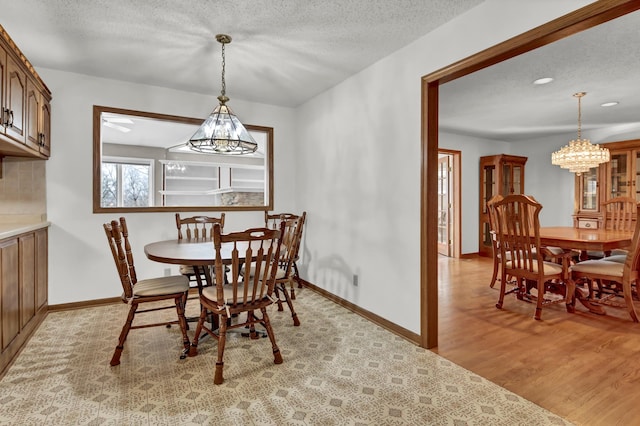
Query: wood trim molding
(84, 304)
(378, 320)
(579, 20)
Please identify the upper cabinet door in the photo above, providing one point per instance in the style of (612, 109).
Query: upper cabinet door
(45, 127)
(3, 90)
(33, 117)
(15, 113)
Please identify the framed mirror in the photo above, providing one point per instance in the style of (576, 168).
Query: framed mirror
(141, 163)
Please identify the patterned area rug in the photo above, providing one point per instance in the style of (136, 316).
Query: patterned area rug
(339, 369)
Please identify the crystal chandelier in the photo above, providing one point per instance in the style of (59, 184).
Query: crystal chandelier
(222, 132)
(580, 155)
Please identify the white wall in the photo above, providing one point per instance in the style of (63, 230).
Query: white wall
(359, 162)
(80, 263)
(354, 152)
(472, 149)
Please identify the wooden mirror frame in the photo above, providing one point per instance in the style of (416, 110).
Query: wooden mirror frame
(97, 165)
(582, 19)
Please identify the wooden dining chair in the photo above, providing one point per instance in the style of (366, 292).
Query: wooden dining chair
(518, 239)
(196, 228)
(553, 254)
(242, 294)
(137, 292)
(495, 249)
(624, 276)
(292, 232)
(619, 214)
(272, 221)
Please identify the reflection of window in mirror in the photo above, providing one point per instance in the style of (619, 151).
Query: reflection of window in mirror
(142, 163)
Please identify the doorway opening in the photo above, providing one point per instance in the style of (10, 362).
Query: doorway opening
(449, 200)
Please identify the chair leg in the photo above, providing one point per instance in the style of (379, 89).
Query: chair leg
(571, 296)
(115, 359)
(494, 276)
(193, 350)
(182, 320)
(277, 356)
(503, 287)
(296, 275)
(296, 321)
(539, 300)
(628, 298)
(278, 301)
(218, 378)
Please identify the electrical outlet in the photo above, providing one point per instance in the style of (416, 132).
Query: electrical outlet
(167, 272)
(355, 280)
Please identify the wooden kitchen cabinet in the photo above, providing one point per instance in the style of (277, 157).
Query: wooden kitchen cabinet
(23, 290)
(499, 175)
(25, 105)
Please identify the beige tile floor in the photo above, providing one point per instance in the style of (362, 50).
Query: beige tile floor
(339, 369)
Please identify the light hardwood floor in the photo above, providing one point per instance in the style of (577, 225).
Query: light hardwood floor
(580, 366)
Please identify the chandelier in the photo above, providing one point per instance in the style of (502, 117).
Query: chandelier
(222, 132)
(580, 155)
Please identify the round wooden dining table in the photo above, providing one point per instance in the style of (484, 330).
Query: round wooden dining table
(185, 252)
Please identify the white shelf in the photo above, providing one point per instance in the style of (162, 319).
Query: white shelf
(213, 179)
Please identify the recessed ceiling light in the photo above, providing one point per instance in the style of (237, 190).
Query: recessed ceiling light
(543, 80)
(608, 104)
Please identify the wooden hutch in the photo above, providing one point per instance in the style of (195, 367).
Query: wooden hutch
(620, 177)
(499, 174)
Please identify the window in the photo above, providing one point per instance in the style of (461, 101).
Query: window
(126, 182)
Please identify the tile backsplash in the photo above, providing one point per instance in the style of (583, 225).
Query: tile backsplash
(23, 189)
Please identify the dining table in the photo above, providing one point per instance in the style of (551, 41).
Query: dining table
(584, 240)
(200, 254)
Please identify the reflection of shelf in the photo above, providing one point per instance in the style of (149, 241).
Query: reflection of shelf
(213, 191)
(190, 178)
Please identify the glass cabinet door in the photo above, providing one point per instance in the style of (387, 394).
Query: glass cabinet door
(517, 179)
(488, 191)
(619, 181)
(507, 179)
(589, 186)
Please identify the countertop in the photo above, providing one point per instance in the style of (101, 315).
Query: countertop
(12, 225)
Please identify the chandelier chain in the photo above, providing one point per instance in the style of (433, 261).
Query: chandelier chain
(224, 84)
(579, 115)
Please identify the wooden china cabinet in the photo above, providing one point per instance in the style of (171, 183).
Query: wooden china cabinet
(620, 177)
(499, 175)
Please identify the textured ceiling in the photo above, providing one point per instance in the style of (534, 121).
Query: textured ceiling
(286, 52)
(283, 52)
(500, 102)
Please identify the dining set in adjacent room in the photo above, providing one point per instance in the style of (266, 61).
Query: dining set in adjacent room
(235, 276)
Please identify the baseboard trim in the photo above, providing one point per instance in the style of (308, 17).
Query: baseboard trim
(386, 324)
(84, 304)
(376, 319)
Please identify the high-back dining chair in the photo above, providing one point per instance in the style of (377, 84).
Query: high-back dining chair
(619, 213)
(243, 294)
(196, 228)
(493, 223)
(518, 238)
(625, 276)
(137, 292)
(291, 234)
(272, 221)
